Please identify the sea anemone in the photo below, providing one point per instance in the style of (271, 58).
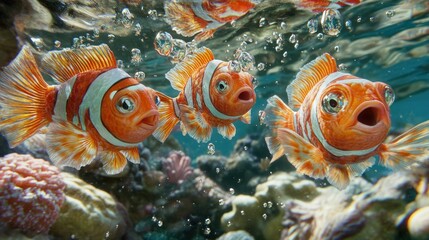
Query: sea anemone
(31, 193)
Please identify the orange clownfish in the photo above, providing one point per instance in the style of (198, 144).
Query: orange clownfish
(321, 5)
(211, 96)
(96, 109)
(340, 126)
(203, 17)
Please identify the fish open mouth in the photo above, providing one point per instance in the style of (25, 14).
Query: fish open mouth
(369, 116)
(150, 119)
(245, 95)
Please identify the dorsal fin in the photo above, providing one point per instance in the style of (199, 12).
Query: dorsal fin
(63, 65)
(308, 76)
(179, 75)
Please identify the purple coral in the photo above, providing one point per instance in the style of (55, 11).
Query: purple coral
(31, 193)
(177, 167)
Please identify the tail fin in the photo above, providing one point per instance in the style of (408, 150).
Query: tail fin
(168, 118)
(408, 148)
(182, 18)
(23, 99)
(277, 115)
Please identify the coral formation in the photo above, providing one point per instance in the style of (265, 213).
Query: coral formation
(177, 167)
(88, 213)
(31, 193)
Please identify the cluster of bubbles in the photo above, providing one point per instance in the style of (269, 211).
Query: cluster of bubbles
(136, 57)
(243, 61)
(175, 49)
(125, 17)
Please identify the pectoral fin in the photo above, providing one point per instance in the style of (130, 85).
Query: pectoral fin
(227, 131)
(113, 161)
(68, 145)
(195, 124)
(406, 149)
(307, 158)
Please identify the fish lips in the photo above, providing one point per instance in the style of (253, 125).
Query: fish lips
(371, 117)
(149, 120)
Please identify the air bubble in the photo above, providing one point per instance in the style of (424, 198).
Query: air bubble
(262, 22)
(261, 116)
(211, 149)
(178, 52)
(312, 26)
(140, 76)
(349, 25)
(57, 44)
(246, 61)
(232, 191)
(163, 43)
(390, 13)
(111, 38)
(261, 66)
(207, 221)
(120, 64)
(283, 25)
(337, 48)
(153, 14)
(264, 216)
(331, 22)
(292, 38)
(136, 57)
(221, 202)
(234, 66)
(320, 36)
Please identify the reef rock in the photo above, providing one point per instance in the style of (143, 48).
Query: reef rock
(358, 212)
(88, 213)
(418, 223)
(261, 215)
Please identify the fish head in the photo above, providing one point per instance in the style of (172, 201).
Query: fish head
(232, 92)
(355, 113)
(129, 111)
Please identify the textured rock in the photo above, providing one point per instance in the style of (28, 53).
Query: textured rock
(261, 215)
(358, 212)
(418, 223)
(236, 235)
(88, 213)
(31, 193)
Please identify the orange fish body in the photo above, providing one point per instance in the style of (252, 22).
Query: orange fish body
(340, 126)
(211, 96)
(321, 5)
(95, 110)
(203, 17)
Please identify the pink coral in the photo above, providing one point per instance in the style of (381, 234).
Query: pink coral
(177, 167)
(31, 193)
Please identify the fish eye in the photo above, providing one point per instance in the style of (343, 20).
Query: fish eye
(222, 86)
(157, 101)
(389, 95)
(125, 105)
(333, 102)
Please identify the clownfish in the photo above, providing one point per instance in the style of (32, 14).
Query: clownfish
(340, 126)
(211, 95)
(321, 5)
(203, 17)
(96, 110)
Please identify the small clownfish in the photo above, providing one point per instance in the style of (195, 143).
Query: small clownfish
(96, 109)
(321, 5)
(210, 96)
(203, 17)
(340, 126)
